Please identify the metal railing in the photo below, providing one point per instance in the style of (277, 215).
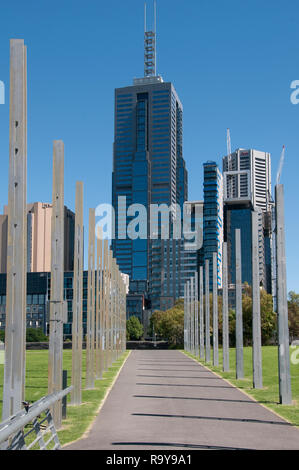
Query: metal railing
(13, 435)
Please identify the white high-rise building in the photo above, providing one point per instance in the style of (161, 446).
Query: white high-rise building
(247, 177)
(247, 187)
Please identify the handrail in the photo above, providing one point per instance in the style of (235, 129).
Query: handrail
(23, 417)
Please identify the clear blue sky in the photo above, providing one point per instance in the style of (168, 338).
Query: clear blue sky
(231, 63)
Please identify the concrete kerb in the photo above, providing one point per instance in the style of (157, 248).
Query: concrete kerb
(85, 434)
(242, 391)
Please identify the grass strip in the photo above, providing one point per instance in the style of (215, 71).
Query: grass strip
(269, 394)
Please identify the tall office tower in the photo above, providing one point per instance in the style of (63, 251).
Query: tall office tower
(213, 219)
(247, 177)
(191, 253)
(247, 187)
(148, 168)
(39, 216)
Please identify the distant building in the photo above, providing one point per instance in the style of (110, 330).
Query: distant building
(138, 303)
(38, 295)
(247, 177)
(213, 219)
(191, 256)
(247, 187)
(39, 216)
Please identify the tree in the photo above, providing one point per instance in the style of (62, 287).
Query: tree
(35, 335)
(293, 310)
(2, 335)
(169, 325)
(268, 318)
(134, 328)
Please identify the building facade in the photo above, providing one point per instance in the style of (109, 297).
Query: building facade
(148, 169)
(213, 219)
(39, 217)
(38, 296)
(247, 187)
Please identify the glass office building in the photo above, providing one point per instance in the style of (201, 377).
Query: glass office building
(238, 217)
(38, 296)
(148, 168)
(213, 219)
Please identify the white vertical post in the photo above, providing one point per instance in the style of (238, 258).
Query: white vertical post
(196, 315)
(201, 316)
(215, 312)
(225, 329)
(207, 299)
(285, 393)
(256, 307)
(15, 329)
(90, 337)
(239, 312)
(57, 280)
(76, 395)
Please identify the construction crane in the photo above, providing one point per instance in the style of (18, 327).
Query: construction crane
(229, 165)
(281, 162)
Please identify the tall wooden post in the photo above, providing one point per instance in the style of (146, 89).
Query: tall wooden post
(57, 279)
(215, 312)
(106, 302)
(207, 299)
(99, 306)
(110, 310)
(15, 329)
(201, 316)
(285, 392)
(76, 395)
(90, 334)
(256, 307)
(196, 315)
(192, 313)
(239, 311)
(225, 330)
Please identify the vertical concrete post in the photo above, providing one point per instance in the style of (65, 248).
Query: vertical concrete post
(57, 280)
(215, 312)
(188, 317)
(196, 315)
(90, 334)
(99, 306)
(185, 319)
(192, 314)
(102, 307)
(76, 395)
(225, 330)
(239, 312)
(201, 316)
(256, 307)
(106, 305)
(110, 310)
(285, 393)
(207, 302)
(15, 329)
(113, 310)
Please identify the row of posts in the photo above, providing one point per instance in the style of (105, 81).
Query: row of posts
(197, 337)
(106, 311)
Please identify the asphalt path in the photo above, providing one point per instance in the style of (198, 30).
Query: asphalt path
(163, 400)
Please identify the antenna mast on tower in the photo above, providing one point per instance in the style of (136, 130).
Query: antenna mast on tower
(150, 54)
(229, 163)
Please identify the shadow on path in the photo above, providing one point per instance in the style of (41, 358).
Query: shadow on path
(215, 418)
(175, 444)
(205, 399)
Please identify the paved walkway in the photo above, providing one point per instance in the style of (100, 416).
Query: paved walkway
(164, 400)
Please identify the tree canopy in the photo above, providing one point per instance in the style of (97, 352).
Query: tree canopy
(134, 328)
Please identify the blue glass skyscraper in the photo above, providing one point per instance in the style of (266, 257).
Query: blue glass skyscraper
(213, 219)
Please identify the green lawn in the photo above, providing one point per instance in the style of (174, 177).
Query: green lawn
(269, 395)
(78, 417)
